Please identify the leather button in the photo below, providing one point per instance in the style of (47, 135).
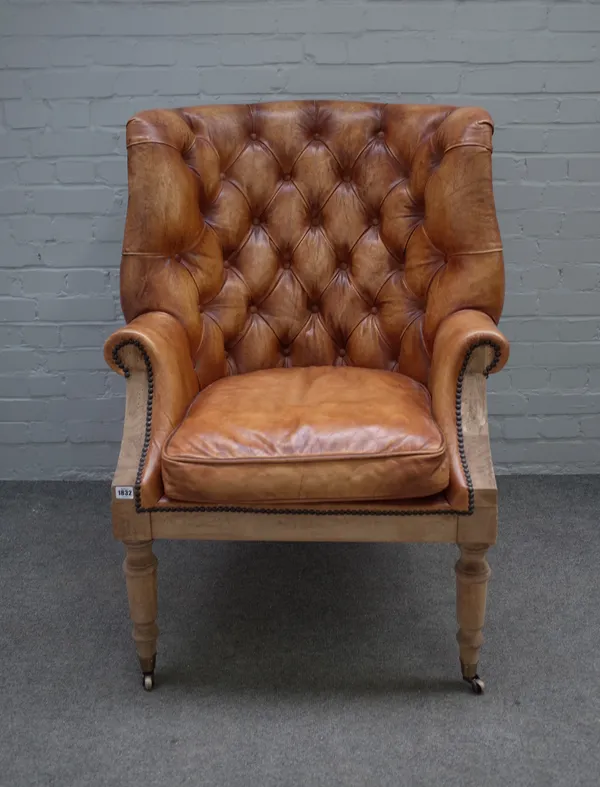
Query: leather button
(314, 308)
(256, 221)
(343, 266)
(381, 134)
(226, 263)
(342, 353)
(287, 176)
(347, 178)
(375, 222)
(315, 221)
(317, 136)
(374, 310)
(222, 175)
(287, 266)
(285, 351)
(253, 135)
(253, 310)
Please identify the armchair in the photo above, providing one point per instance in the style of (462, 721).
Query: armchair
(311, 292)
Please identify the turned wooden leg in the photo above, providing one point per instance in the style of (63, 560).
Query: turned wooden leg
(472, 574)
(140, 573)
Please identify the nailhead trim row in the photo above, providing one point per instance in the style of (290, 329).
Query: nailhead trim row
(304, 511)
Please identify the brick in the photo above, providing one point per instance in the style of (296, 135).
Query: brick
(26, 114)
(520, 140)
(85, 385)
(573, 78)
(579, 330)
(140, 82)
(43, 281)
(331, 49)
(74, 200)
(13, 385)
(86, 335)
(581, 249)
(574, 16)
(8, 173)
(543, 277)
(11, 84)
(85, 282)
(40, 336)
(47, 432)
(546, 168)
(45, 385)
(507, 16)
(13, 201)
(506, 403)
(13, 145)
(68, 171)
(571, 196)
(10, 283)
(248, 50)
(95, 142)
(70, 114)
(230, 80)
(590, 426)
(337, 18)
(584, 168)
(563, 301)
(529, 379)
(72, 255)
(503, 79)
(583, 139)
(581, 224)
(534, 330)
(36, 172)
(568, 378)
(582, 277)
(13, 433)
(566, 354)
(521, 428)
(17, 310)
(51, 84)
(579, 109)
(91, 432)
(74, 359)
(78, 308)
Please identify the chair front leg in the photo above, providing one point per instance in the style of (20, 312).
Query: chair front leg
(140, 573)
(472, 575)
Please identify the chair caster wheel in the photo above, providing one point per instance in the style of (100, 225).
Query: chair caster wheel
(148, 681)
(477, 685)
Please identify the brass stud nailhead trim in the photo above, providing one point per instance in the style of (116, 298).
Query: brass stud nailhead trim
(308, 512)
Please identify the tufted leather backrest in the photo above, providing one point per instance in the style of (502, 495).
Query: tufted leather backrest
(311, 233)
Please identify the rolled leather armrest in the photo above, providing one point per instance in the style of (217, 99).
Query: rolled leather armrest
(155, 346)
(456, 339)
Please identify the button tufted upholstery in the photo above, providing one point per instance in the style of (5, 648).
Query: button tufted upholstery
(313, 234)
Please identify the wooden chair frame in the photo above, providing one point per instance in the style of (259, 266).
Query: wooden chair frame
(473, 530)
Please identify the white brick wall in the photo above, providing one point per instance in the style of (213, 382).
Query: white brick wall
(72, 72)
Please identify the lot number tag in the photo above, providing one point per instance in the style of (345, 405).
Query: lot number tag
(124, 492)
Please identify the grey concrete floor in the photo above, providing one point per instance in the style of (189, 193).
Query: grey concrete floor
(299, 664)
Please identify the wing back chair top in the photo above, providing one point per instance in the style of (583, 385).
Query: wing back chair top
(312, 290)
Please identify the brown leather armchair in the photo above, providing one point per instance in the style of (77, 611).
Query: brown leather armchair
(311, 292)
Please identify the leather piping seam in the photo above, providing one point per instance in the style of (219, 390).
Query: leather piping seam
(140, 509)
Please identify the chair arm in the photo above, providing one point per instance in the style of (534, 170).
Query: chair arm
(468, 346)
(153, 353)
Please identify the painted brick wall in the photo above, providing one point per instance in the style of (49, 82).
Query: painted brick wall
(73, 72)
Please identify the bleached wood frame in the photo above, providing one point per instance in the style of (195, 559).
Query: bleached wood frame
(473, 530)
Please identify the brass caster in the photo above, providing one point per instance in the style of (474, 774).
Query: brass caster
(148, 681)
(477, 685)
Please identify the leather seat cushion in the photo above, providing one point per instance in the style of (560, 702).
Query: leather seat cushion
(312, 434)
